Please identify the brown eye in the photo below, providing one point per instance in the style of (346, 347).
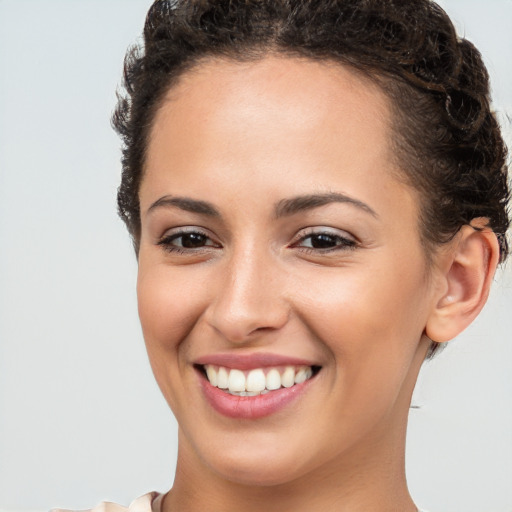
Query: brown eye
(325, 242)
(182, 241)
(192, 240)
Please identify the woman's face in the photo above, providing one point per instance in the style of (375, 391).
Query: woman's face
(276, 246)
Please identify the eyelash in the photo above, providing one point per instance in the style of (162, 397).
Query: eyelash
(167, 242)
(341, 242)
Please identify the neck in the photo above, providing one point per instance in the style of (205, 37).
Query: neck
(366, 480)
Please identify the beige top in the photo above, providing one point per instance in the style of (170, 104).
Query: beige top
(151, 502)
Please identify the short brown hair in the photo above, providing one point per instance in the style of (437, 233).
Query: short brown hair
(447, 140)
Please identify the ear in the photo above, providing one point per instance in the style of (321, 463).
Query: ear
(466, 271)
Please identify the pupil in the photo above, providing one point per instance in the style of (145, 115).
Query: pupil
(323, 241)
(192, 240)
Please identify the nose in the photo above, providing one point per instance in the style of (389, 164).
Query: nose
(249, 299)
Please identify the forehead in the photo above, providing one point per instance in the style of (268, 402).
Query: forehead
(271, 94)
(286, 123)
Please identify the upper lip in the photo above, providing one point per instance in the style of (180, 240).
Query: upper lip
(251, 361)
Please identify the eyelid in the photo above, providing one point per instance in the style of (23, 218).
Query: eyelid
(349, 240)
(177, 232)
(323, 230)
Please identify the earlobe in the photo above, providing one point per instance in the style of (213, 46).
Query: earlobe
(467, 271)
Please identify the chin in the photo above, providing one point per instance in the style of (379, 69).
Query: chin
(253, 461)
(257, 473)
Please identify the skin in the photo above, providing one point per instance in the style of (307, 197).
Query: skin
(244, 138)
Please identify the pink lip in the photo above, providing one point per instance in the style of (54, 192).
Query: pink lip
(251, 361)
(251, 407)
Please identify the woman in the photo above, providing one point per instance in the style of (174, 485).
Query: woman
(316, 193)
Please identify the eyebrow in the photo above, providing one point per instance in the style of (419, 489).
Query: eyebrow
(187, 204)
(284, 208)
(287, 207)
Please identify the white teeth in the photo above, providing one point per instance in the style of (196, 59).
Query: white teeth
(300, 376)
(222, 378)
(236, 381)
(212, 375)
(245, 393)
(288, 377)
(256, 381)
(273, 380)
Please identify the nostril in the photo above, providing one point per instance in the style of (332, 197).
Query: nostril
(244, 306)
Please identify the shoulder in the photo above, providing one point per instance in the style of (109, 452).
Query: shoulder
(150, 502)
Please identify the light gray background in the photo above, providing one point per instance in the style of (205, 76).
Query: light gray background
(81, 419)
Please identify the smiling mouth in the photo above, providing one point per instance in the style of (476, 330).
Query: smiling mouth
(258, 381)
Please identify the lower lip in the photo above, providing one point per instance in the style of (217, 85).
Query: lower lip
(252, 407)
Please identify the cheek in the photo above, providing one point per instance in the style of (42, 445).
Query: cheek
(371, 317)
(372, 328)
(168, 303)
(168, 311)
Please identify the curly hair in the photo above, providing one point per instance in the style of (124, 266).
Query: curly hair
(447, 140)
